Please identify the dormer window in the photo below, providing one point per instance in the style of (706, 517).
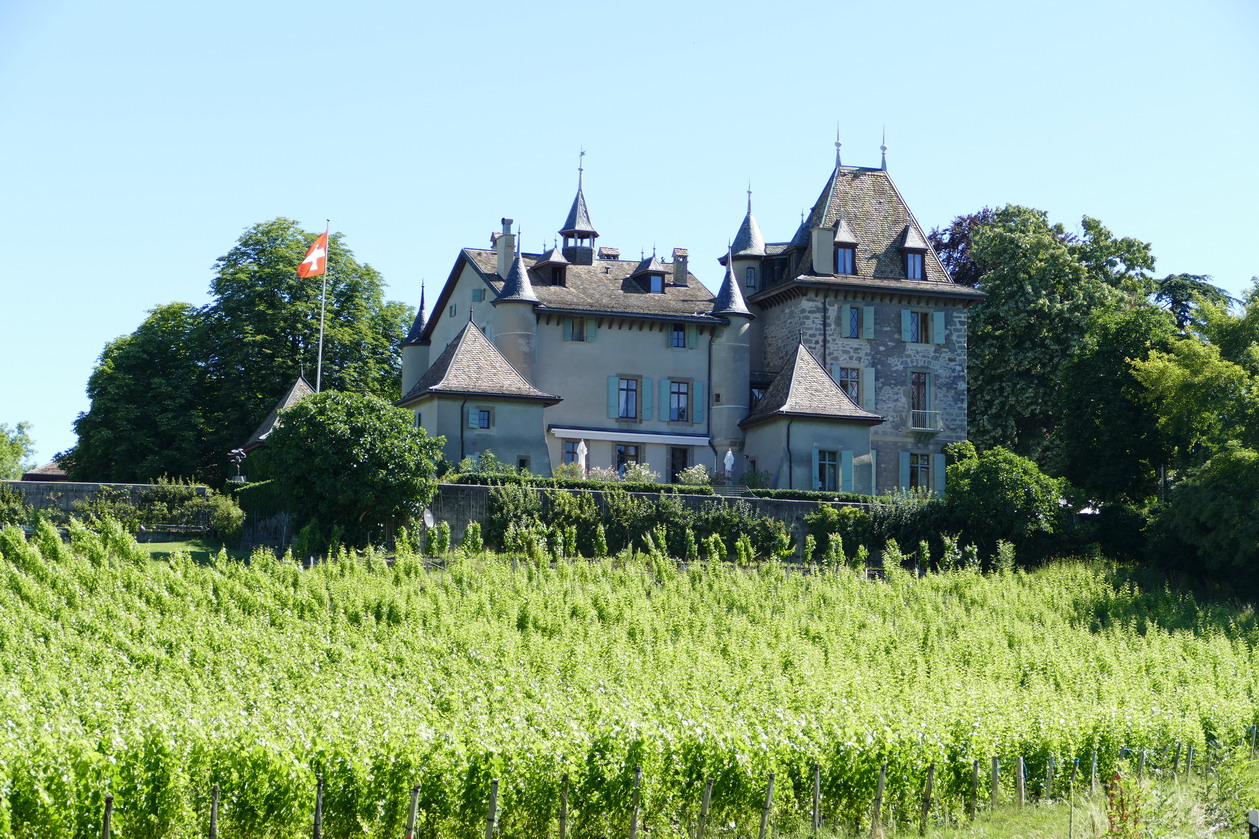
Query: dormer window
(845, 260)
(557, 275)
(914, 266)
(655, 283)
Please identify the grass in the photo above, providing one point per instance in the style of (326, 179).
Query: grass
(201, 550)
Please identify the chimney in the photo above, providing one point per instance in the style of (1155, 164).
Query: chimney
(505, 246)
(823, 251)
(679, 266)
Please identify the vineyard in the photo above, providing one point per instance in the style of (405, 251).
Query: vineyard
(154, 680)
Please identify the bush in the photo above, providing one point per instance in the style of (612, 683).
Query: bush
(640, 473)
(568, 472)
(486, 464)
(1213, 512)
(811, 495)
(696, 475)
(756, 478)
(13, 506)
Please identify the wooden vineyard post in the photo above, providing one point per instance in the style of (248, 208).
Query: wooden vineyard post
(1189, 763)
(769, 803)
(109, 813)
(414, 812)
(1020, 780)
(1049, 780)
(214, 812)
(1141, 766)
(491, 814)
(926, 800)
(703, 808)
(1176, 762)
(1254, 732)
(817, 797)
(638, 780)
(318, 807)
(1093, 773)
(974, 789)
(1075, 768)
(1207, 747)
(564, 807)
(876, 822)
(996, 780)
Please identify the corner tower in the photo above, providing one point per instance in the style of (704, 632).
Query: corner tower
(731, 365)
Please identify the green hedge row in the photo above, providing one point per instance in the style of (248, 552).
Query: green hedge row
(472, 479)
(810, 495)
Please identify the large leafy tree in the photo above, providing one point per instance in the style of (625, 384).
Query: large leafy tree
(191, 384)
(352, 461)
(15, 450)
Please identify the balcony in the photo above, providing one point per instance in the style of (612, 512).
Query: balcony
(926, 421)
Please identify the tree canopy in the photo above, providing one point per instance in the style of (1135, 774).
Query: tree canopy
(353, 462)
(190, 384)
(15, 450)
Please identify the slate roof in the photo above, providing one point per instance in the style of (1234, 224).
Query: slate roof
(650, 265)
(299, 391)
(417, 327)
(552, 257)
(472, 366)
(517, 285)
(729, 297)
(878, 218)
(605, 287)
(804, 389)
(748, 241)
(578, 221)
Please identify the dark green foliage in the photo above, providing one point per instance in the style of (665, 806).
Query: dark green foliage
(511, 503)
(15, 451)
(352, 462)
(498, 478)
(834, 527)
(810, 495)
(13, 507)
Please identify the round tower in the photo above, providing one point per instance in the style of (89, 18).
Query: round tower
(731, 364)
(415, 349)
(515, 324)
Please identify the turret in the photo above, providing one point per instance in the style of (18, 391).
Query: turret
(415, 349)
(747, 252)
(578, 232)
(731, 365)
(515, 325)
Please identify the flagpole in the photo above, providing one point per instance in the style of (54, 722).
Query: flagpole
(323, 304)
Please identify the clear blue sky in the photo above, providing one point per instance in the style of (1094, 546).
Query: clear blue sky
(138, 139)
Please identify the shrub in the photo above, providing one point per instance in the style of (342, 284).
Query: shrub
(109, 502)
(603, 474)
(13, 506)
(510, 503)
(226, 517)
(568, 472)
(472, 542)
(696, 475)
(756, 478)
(485, 463)
(640, 473)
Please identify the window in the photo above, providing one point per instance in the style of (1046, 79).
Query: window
(485, 418)
(677, 335)
(626, 454)
(754, 396)
(914, 266)
(557, 275)
(451, 311)
(845, 260)
(749, 279)
(679, 458)
(577, 329)
(656, 283)
(679, 401)
(828, 471)
(418, 422)
(920, 471)
(920, 327)
(522, 464)
(850, 381)
(478, 295)
(570, 451)
(922, 413)
(627, 399)
(851, 329)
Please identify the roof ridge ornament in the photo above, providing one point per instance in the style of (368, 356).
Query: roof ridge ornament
(883, 149)
(838, 144)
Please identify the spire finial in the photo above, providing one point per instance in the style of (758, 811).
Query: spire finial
(837, 145)
(580, 168)
(749, 197)
(883, 148)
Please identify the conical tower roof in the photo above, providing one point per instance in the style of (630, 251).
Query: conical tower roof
(517, 285)
(730, 297)
(417, 327)
(749, 241)
(578, 224)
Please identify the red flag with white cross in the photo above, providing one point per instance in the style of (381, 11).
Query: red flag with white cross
(316, 261)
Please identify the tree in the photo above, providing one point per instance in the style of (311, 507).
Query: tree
(148, 412)
(191, 384)
(1214, 513)
(15, 451)
(953, 245)
(1108, 441)
(352, 461)
(1181, 293)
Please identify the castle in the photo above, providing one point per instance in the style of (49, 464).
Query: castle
(835, 361)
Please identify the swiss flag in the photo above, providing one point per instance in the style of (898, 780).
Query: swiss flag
(316, 261)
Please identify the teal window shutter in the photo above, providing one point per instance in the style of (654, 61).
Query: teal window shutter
(846, 473)
(692, 337)
(568, 329)
(937, 327)
(697, 402)
(591, 323)
(665, 407)
(874, 472)
(646, 398)
(845, 318)
(906, 334)
(613, 382)
(937, 473)
(904, 470)
(867, 388)
(867, 322)
(814, 482)
(474, 418)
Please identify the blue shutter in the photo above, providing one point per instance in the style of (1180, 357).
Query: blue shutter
(867, 322)
(646, 389)
(813, 481)
(568, 329)
(665, 408)
(904, 470)
(906, 333)
(692, 337)
(613, 412)
(868, 392)
(937, 327)
(937, 473)
(590, 329)
(845, 318)
(874, 472)
(697, 402)
(473, 418)
(845, 484)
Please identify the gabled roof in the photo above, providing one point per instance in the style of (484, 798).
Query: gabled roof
(417, 327)
(472, 366)
(517, 285)
(844, 234)
(299, 391)
(804, 389)
(914, 240)
(552, 257)
(578, 222)
(650, 265)
(730, 297)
